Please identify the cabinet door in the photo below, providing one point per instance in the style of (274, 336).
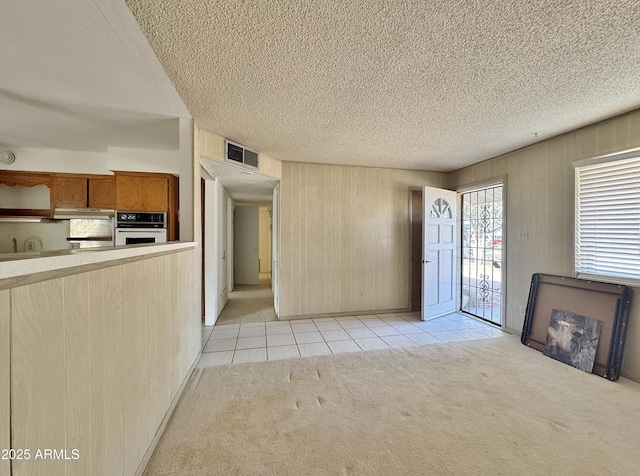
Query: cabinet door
(102, 192)
(155, 194)
(129, 192)
(69, 192)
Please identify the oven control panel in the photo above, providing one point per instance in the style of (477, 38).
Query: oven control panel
(141, 220)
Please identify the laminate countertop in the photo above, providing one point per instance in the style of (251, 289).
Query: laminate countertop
(17, 269)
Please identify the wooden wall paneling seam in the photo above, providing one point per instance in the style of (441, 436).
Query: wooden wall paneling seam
(151, 309)
(97, 321)
(164, 318)
(144, 371)
(114, 370)
(132, 378)
(77, 356)
(336, 232)
(176, 328)
(5, 377)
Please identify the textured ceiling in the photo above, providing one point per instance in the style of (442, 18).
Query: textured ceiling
(413, 84)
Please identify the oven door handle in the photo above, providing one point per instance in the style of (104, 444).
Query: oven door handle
(90, 238)
(145, 230)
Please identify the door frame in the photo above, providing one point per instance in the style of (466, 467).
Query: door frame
(452, 197)
(410, 248)
(475, 186)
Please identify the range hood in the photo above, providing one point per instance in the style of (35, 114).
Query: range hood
(83, 213)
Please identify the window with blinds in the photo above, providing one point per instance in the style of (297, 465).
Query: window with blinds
(608, 216)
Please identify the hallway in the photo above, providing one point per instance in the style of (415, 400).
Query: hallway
(249, 304)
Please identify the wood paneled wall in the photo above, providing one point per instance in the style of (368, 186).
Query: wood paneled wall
(5, 382)
(97, 359)
(540, 198)
(344, 243)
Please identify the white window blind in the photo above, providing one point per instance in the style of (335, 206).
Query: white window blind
(608, 218)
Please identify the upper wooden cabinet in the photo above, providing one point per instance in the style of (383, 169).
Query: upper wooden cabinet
(102, 192)
(128, 192)
(155, 194)
(68, 192)
(142, 192)
(24, 179)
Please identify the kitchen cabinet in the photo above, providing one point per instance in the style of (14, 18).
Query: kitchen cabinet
(26, 180)
(142, 192)
(83, 191)
(155, 194)
(102, 192)
(68, 192)
(128, 192)
(149, 192)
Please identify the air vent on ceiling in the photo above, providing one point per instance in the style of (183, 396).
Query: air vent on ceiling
(241, 155)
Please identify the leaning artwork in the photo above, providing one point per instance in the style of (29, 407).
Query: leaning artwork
(573, 339)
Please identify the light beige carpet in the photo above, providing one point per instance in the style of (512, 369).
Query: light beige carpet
(488, 406)
(249, 303)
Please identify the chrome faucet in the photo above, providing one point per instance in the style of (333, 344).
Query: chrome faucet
(15, 245)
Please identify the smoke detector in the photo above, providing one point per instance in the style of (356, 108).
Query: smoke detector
(7, 157)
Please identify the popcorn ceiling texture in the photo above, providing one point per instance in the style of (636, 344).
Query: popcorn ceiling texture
(411, 84)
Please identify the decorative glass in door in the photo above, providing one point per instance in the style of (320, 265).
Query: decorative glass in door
(482, 254)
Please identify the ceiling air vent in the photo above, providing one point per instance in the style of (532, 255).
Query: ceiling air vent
(241, 155)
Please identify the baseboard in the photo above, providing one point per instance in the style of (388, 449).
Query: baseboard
(165, 421)
(341, 314)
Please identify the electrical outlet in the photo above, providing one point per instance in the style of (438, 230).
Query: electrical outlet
(523, 234)
(523, 310)
(31, 245)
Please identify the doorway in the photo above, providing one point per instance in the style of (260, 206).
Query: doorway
(226, 187)
(482, 253)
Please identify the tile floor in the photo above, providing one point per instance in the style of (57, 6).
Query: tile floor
(273, 340)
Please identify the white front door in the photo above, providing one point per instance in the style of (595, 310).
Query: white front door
(439, 252)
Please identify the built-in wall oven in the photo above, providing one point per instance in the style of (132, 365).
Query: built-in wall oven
(134, 228)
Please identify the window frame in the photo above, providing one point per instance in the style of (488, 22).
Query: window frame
(631, 156)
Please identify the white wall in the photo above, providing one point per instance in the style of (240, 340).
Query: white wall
(216, 249)
(264, 247)
(246, 238)
(55, 160)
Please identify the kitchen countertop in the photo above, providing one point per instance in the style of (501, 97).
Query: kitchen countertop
(17, 269)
